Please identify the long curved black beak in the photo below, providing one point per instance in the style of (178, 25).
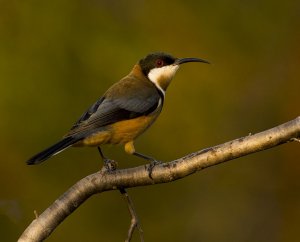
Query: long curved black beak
(180, 61)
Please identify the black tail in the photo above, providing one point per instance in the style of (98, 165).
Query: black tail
(52, 150)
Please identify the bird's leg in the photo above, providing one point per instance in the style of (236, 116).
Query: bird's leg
(109, 164)
(129, 148)
(153, 162)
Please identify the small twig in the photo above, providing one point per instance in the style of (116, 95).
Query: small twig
(110, 166)
(36, 214)
(134, 218)
(295, 139)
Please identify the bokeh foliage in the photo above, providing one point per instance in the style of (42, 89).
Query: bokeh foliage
(58, 57)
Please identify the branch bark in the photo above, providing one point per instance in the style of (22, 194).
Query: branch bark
(102, 181)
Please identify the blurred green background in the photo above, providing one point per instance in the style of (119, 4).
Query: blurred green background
(58, 57)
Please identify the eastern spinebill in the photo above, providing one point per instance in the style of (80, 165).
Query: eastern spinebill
(126, 109)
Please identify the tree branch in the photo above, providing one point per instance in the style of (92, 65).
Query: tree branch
(102, 181)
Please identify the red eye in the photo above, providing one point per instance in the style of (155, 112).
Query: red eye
(159, 63)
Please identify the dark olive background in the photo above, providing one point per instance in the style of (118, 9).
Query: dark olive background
(58, 57)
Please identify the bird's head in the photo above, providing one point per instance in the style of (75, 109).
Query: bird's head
(161, 67)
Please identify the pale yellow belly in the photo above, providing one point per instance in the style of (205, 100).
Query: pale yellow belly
(120, 132)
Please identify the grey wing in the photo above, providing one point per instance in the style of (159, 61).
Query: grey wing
(109, 110)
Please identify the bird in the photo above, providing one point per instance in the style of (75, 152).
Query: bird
(125, 111)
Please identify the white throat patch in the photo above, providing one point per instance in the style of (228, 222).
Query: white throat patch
(162, 76)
